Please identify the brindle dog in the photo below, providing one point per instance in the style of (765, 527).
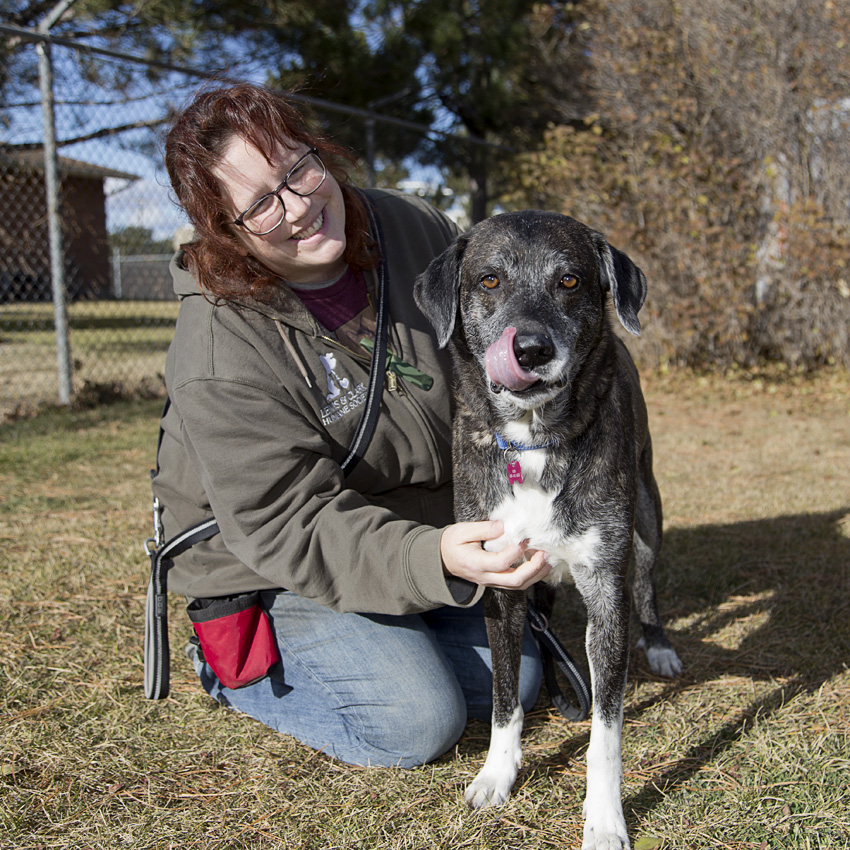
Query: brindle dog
(551, 437)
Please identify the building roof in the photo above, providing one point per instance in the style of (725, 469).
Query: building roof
(32, 159)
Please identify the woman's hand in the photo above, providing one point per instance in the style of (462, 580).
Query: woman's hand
(514, 568)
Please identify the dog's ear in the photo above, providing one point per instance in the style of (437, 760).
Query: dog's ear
(625, 281)
(436, 290)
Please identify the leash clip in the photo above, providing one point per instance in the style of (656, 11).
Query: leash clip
(153, 544)
(538, 621)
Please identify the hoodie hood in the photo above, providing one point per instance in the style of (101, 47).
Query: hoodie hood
(286, 308)
(181, 278)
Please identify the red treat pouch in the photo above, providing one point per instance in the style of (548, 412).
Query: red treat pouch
(236, 637)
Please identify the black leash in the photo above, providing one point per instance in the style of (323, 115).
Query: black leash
(379, 356)
(157, 654)
(553, 653)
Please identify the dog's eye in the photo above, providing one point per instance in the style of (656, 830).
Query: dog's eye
(489, 281)
(569, 281)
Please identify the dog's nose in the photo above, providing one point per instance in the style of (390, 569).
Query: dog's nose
(533, 350)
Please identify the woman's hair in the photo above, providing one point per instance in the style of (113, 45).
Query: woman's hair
(194, 147)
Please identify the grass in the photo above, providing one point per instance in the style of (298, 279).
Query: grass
(749, 749)
(116, 344)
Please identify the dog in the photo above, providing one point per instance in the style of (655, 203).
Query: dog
(550, 436)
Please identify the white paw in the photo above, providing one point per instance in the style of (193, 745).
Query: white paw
(493, 784)
(662, 662)
(489, 789)
(604, 830)
(611, 841)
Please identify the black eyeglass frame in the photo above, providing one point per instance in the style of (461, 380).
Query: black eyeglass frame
(284, 186)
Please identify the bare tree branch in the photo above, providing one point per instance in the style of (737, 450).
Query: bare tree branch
(113, 131)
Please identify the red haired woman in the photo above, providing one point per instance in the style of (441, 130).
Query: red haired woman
(370, 588)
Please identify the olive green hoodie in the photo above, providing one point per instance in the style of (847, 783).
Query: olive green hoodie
(264, 406)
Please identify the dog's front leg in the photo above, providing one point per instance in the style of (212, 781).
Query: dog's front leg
(504, 612)
(608, 654)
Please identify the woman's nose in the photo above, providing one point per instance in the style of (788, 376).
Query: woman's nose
(296, 206)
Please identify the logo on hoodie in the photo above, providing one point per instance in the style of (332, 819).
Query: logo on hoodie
(335, 384)
(342, 396)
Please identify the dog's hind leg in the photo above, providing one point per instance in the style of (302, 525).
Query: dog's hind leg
(661, 656)
(504, 613)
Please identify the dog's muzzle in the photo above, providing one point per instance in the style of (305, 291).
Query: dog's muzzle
(533, 350)
(511, 360)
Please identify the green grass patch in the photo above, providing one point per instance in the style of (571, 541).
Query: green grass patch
(749, 749)
(116, 344)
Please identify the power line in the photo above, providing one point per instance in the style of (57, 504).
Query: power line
(315, 102)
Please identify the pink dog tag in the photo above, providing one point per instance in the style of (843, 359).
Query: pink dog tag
(514, 473)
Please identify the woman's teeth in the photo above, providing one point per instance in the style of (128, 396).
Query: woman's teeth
(312, 230)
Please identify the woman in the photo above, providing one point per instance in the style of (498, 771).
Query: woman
(370, 588)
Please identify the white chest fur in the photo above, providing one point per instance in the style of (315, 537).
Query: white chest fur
(527, 513)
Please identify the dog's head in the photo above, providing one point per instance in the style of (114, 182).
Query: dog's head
(526, 292)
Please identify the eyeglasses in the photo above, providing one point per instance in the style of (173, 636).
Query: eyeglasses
(267, 213)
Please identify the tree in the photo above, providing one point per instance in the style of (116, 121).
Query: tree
(486, 67)
(335, 55)
(494, 71)
(138, 240)
(718, 155)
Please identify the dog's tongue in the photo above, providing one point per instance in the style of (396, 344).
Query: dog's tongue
(503, 368)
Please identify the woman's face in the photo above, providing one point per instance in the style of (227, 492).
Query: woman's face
(308, 246)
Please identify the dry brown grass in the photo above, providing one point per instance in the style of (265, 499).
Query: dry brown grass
(749, 749)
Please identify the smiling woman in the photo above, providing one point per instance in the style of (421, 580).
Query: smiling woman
(269, 211)
(357, 577)
(236, 147)
(301, 238)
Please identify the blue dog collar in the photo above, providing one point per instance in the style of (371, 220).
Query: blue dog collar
(514, 470)
(506, 445)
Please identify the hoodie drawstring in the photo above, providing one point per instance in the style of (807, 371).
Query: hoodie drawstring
(291, 348)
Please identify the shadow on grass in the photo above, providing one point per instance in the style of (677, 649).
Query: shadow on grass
(777, 589)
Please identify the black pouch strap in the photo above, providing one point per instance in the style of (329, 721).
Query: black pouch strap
(553, 653)
(157, 656)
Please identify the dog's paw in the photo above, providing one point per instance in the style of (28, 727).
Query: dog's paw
(489, 788)
(605, 834)
(605, 842)
(493, 784)
(663, 661)
(604, 824)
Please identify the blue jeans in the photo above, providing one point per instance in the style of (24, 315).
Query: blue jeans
(390, 691)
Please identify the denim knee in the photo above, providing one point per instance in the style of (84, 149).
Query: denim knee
(414, 721)
(415, 730)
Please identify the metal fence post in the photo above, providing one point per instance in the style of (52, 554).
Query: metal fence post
(117, 284)
(57, 255)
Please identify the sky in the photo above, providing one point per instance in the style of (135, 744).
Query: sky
(82, 108)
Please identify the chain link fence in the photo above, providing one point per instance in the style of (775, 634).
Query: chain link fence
(119, 228)
(94, 319)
